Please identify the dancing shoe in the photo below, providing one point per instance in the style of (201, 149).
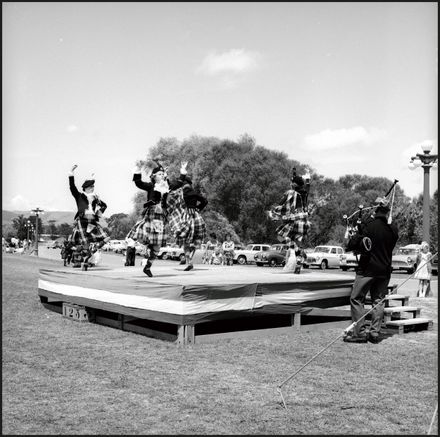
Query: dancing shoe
(85, 266)
(188, 267)
(147, 270)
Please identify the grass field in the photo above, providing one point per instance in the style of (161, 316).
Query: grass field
(64, 377)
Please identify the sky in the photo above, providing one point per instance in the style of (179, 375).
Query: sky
(346, 88)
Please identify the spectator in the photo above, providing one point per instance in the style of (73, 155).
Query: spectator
(228, 251)
(211, 244)
(216, 257)
(423, 272)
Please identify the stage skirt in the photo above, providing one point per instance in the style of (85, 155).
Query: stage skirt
(87, 230)
(151, 229)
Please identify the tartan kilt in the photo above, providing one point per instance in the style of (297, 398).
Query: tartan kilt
(151, 229)
(87, 230)
(294, 229)
(191, 229)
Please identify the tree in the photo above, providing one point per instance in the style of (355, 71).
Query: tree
(51, 228)
(119, 225)
(64, 229)
(19, 224)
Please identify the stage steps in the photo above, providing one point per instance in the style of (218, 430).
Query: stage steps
(400, 316)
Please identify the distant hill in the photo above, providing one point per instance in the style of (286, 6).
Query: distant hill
(58, 216)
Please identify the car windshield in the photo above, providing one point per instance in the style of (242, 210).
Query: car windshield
(249, 247)
(322, 249)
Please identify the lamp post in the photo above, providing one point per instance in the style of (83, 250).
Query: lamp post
(426, 160)
(37, 211)
(28, 225)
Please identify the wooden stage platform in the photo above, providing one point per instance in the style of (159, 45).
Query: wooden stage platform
(178, 306)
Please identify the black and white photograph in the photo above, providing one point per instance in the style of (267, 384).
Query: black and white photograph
(219, 218)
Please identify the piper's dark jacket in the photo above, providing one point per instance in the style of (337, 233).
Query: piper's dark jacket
(383, 237)
(193, 199)
(155, 197)
(82, 202)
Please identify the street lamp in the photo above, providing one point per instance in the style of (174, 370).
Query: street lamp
(36, 211)
(426, 160)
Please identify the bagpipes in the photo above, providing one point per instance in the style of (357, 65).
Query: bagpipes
(355, 222)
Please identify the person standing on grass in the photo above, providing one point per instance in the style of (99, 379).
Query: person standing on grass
(211, 244)
(291, 265)
(228, 247)
(375, 242)
(423, 272)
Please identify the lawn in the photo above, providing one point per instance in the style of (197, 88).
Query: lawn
(66, 377)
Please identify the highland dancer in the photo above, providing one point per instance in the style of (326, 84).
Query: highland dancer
(292, 210)
(151, 229)
(186, 222)
(88, 235)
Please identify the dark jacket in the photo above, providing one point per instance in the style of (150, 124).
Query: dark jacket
(193, 199)
(82, 203)
(155, 197)
(377, 262)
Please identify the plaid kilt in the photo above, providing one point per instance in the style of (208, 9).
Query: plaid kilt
(151, 229)
(186, 224)
(87, 230)
(294, 229)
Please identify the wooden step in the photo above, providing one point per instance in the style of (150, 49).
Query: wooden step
(392, 298)
(406, 325)
(392, 311)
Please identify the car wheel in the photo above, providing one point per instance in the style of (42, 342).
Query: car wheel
(260, 264)
(323, 264)
(344, 269)
(272, 262)
(165, 255)
(411, 270)
(241, 260)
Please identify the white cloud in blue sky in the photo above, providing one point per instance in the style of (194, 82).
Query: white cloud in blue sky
(338, 138)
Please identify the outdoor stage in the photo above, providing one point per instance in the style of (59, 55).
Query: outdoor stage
(176, 305)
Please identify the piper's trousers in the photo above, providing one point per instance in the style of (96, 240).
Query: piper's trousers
(378, 287)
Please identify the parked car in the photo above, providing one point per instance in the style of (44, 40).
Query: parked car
(54, 244)
(140, 249)
(324, 257)
(117, 246)
(246, 255)
(348, 260)
(405, 258)
(434, 264)
(275, 256)
(171, 252)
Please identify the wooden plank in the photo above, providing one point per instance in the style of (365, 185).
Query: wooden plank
(408, 325)
(408, 322)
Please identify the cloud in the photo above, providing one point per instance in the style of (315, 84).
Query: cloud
(71, 128)
(234, 62)
(339, 138)
(18, 203)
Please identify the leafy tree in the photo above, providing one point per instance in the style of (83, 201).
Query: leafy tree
(64, 229)
(119, 225)
(242, 180)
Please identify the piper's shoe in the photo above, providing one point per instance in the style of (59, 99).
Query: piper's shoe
(85, 266)
(188, 268)
(373, 338)
(357, 339)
